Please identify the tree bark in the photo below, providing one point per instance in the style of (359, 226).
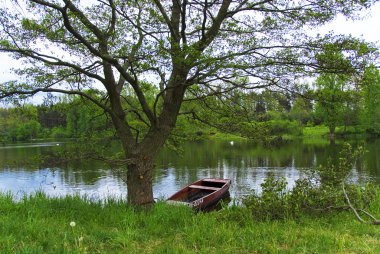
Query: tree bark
(140, 181)
(332, 133)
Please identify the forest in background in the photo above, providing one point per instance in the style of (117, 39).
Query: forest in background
(344, 104)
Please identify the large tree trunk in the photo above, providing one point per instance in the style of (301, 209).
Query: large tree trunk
(332, 132)
(140, 182)
(140, 155)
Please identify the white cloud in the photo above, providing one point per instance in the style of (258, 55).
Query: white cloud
(6, 64)
(366, 27)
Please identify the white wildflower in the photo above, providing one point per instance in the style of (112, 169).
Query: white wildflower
(72, 224)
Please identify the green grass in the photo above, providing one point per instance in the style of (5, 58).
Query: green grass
(226, 137)
(42, 225)
(315, 131)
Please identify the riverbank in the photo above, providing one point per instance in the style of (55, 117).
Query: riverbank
(74, 225)
(309, 134)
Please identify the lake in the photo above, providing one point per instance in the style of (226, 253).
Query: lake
(245, 163)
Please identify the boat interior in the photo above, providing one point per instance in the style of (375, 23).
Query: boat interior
(213, 184)
(199, 189)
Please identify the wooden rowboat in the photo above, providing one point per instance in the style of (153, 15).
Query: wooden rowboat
(202, 193)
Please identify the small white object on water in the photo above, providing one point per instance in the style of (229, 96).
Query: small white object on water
(72, 224)
(232, 143)
(57, 144)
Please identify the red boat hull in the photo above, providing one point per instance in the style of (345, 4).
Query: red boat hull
(202, 193)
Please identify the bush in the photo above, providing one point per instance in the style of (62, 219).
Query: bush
(280, 127)
(59, 132)
(268, 129)
(25, 131)
(306, 198)
(374, 130)
(320, 192)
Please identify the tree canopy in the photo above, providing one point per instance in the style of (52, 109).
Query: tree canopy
(171, 51)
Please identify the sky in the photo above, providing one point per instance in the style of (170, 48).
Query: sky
(366, 28)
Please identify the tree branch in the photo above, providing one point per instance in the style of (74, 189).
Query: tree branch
(4, 94)
(167, 19)
(183, 20)
(57, 62)
(212, 32)
(374, 220)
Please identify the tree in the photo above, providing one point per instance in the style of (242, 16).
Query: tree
(338, 101)
(331, 99)
(19, 124)
(302, 110)
(182, 47)
(351, 108)
(371, 99)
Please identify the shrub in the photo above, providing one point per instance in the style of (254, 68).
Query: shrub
(59, 132)
(319, 192)
(280, 127)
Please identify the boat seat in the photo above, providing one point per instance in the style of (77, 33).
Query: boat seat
(204, 187)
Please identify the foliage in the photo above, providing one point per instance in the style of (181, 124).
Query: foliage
(59, 132)
(19, 124)
(71, 118)
(85, 120)
(302, 110)
(333, 174)
(318, 193)
(371, 97)
(26, 131)
(281, 115)
(331, 98)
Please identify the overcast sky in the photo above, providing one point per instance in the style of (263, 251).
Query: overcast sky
(367, 28)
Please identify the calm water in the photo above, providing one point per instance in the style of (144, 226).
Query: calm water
(245, 163)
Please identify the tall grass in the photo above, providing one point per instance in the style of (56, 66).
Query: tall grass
(40, 224)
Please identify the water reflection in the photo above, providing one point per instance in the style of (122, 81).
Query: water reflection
(246, 164)
(55, 182)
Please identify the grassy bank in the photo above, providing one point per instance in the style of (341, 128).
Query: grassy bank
(42, 225)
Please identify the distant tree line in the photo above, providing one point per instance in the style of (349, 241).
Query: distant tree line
(350, 102)
(64, 119)
(333, 100)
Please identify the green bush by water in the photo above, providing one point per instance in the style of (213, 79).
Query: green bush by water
(322, 191)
